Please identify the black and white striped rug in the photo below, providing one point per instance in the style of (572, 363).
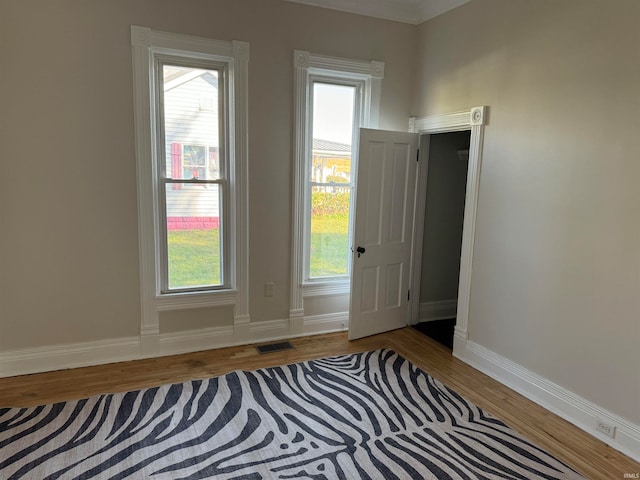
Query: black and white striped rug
(371, 415)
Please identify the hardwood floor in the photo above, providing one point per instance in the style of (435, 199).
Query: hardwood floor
(584, 453)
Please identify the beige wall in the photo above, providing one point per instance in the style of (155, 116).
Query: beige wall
(556, 266)
(68, 215)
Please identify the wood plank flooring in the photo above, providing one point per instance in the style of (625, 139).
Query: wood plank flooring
(584, 453)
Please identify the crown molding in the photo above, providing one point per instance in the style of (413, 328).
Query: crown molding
(406, 11)
(429, 9)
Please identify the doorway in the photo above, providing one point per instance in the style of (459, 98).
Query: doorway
(448, 161)
(472, 121)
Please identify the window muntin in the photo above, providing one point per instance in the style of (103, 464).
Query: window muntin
(334, 106)
(193, 185)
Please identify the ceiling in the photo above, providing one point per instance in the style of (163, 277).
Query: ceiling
(407, 11)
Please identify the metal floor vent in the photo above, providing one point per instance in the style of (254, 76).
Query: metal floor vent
(274, 347)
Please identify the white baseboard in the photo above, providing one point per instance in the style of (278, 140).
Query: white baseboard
(440, 310)
(194, 340)
(327, 323)
(60, 357)
(269, 330)
(573, 408)
(83, 354)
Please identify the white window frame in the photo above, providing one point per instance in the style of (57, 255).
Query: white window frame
(361, 104)
(164, 179)
(146, 45)
(367, 77)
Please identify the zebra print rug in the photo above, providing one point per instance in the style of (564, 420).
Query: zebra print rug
(371, 415)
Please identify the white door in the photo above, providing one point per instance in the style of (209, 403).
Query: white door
(383, 232)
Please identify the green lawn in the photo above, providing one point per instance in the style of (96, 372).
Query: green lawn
(194, 255)
(329, 245)
(194, 258)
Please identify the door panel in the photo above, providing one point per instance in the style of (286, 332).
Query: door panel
(383, 226)
(373, 207)
(369, 289)
(399, 184)
(394, 285)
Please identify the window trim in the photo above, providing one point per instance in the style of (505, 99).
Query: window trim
(307, 68)
(147, 43)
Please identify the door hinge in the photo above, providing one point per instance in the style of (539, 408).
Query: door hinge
(408, 295)
(418, 155)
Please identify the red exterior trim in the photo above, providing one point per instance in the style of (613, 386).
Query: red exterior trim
(192, 223)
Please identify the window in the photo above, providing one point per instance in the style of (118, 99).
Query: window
(330, 184)
(191, 149)
(194, 199)
(334, 98)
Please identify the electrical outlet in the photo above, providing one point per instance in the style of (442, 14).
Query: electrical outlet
(605, 428)
(268, 289)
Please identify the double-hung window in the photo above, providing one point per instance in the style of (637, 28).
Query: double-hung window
(191, 149)
(193, 190)
(329, 191)
(334, 98)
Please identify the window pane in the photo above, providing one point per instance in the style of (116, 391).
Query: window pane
(330, 162)
(333, 107)
(194, 242)
(332, 131)
(329, 231)
(191, 122)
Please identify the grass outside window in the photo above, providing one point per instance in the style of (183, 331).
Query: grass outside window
(194, 255)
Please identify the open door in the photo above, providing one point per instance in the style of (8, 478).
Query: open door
(383, 232)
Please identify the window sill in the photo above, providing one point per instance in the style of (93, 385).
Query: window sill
(186, 300)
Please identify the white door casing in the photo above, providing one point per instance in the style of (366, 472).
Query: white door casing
(474, 120)
(386, 187)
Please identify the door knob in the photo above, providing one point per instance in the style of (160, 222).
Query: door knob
(360, 251)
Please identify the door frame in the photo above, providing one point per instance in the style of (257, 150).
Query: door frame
(473, 120)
